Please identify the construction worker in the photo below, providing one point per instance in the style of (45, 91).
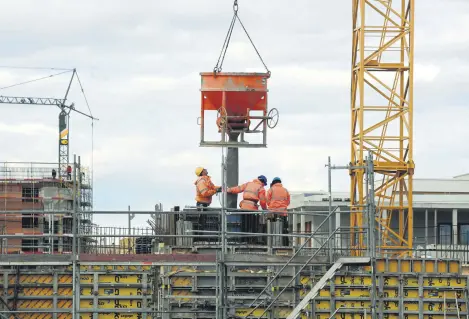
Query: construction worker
(204, 188)
(253, 193)
(69, 172)
(278, 199)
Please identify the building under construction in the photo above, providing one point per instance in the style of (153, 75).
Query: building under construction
(354, 255)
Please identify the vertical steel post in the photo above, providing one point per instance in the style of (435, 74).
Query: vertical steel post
(426, 232)
(371, 205)
(131, 216)
(222, 281)
(329, 189)
(371, 209)
(78, 196)
(223, 238)
(75, 304)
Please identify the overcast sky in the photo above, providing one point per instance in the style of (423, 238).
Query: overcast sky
(139, 62)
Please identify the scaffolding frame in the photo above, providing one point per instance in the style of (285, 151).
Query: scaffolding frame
(82, 238)
(29, 191)
(320, 248)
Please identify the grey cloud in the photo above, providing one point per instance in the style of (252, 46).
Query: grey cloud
(146, 144)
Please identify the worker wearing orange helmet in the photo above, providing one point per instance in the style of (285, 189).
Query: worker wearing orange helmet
(253, 193)
(204, 188)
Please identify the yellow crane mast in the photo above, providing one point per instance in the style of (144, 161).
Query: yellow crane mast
(382, 121)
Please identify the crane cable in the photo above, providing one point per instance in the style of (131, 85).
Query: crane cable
(221, 58)
(34, 80)
(92, 134)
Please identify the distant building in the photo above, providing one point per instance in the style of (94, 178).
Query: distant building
(441, 214)
(34, 189)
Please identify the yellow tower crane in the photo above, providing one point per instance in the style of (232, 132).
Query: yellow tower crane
(382, 121)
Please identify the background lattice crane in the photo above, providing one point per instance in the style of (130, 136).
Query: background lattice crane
(64, 120)
(382, 121)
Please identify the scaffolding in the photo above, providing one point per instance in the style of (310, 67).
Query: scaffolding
(32, 190)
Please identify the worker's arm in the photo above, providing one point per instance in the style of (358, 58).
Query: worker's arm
(206, 188)
(269, 197)
(262, 201)
(237, 189)
(288, 198)
(212, 186)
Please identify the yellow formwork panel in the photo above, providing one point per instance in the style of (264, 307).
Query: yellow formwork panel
(183, 293)
(112, 316)
(406, 266)
(348, 280)
(357, 315)
(391, 293)
(279, 313)
(348, 304)
(181, 282)
(453, 282)
(439, 306)
(40, 316)
(112, 304)
(352, 280)
(408, 282)
(418, 266)
(81, 316)
(112, 279)
(454, 267)
(84, 279)
(176, 269)
(411, 306)
(43, 304)
(343, 292)
(430, 294)
(31, 279)
(25, 291)
(304, 280)
(114, 268)
(113, 291)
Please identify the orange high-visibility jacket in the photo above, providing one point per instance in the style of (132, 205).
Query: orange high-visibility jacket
(204, 190)
(253, 192)
(278, 198)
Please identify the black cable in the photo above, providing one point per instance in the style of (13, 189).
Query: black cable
(92, 128)
(228, 42)
(221, 58)
(224, 48)
(84, 95)
(35, 80)
(33, 68)
(258, 54)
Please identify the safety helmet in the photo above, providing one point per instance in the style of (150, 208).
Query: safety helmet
(263, 179)
(276, 179)
(199, 170)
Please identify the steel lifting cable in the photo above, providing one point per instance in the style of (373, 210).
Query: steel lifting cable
(221, 58)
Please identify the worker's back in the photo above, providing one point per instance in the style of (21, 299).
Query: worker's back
(278, 198)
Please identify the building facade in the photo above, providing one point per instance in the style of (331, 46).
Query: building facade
(44, 202)
(440, 210)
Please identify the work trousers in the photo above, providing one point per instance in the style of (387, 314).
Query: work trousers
(202, 221)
